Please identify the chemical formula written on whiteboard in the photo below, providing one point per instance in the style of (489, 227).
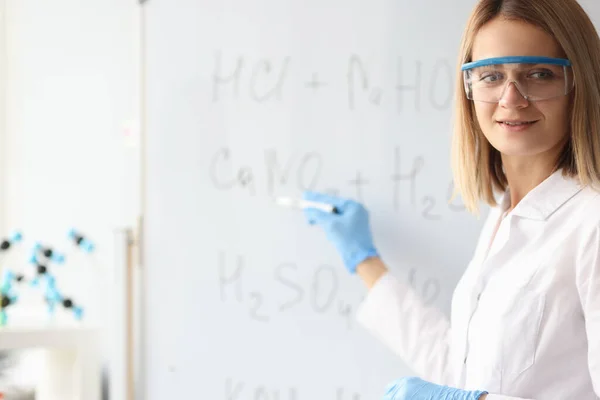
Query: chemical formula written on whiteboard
(265, 80)
(322, 292)
(303, 172)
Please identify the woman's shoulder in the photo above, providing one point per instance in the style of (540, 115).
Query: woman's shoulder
(581, 217)
(586, 205)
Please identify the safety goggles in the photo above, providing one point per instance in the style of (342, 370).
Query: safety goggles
(536, 78)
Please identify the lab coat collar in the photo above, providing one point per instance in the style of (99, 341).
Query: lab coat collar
(545, 198)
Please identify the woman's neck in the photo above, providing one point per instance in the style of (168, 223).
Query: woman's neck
(523, 176)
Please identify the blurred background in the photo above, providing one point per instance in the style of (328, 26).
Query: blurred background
(69, 116)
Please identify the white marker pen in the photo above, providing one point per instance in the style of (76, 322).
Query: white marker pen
(302, 204)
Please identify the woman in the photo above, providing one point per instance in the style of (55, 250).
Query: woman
(525, 317)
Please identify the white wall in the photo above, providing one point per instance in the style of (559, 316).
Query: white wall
(71, 76)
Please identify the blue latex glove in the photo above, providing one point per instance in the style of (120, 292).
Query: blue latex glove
(413, 388)
(348, 230)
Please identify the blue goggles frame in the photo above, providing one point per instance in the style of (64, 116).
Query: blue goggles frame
(516, 60)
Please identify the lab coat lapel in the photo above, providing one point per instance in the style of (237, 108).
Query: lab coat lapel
(547, 197)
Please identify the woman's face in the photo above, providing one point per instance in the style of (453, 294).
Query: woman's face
(546, 135)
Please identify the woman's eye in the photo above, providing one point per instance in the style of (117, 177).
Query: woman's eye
(489, 77)
(541, 75)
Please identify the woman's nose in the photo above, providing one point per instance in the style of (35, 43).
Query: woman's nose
(512, 96)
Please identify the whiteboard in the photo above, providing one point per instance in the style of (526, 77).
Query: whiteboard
(251, 99)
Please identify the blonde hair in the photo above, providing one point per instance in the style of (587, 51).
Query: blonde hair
(477, 166)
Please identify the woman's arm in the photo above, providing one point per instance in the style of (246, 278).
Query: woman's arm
(396, 315)
(392, 310)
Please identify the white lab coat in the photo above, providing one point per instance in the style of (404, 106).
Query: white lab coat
(525, 317)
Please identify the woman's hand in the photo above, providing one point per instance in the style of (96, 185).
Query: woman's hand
(348, 229)
(412, 388)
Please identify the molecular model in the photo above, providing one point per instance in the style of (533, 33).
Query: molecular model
(42, 257)
(8, 243)
(80, 240)
(9, 297)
